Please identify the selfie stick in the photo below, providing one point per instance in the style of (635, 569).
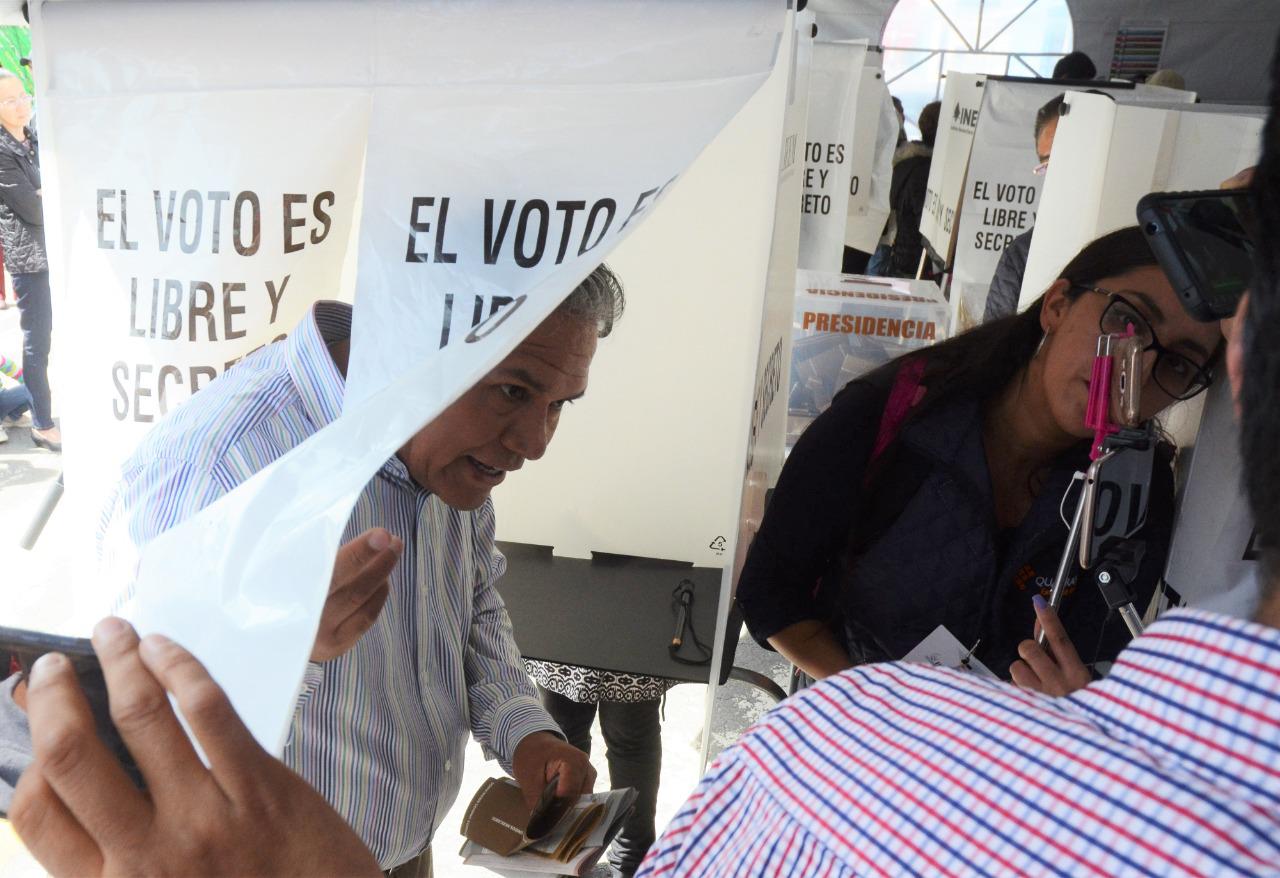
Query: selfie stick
(1114, 573)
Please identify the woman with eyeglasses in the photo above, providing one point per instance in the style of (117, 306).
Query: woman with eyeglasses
(931, 492)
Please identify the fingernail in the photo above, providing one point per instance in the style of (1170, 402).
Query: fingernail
(46, 666)
(1039, 602)
(110, 629)
(154, 644)
(379, 540)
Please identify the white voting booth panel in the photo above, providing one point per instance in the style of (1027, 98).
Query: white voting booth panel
(847, 325)
(957, 122)
(651, 461)
(834, 92)
(875, 136)
(1212, 562)
(1001, 194)
(1107, 155)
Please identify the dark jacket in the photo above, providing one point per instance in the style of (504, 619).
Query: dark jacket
(906, 200)
(21, 211)
(925, 548)
(1006, 283)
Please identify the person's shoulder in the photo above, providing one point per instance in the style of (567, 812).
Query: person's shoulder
(245, 403)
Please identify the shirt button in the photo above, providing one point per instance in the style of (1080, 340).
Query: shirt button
(448, 765)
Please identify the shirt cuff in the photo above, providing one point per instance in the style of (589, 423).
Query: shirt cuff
(515, 721)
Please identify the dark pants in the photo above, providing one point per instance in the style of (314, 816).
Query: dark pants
(633, 746)
(35, 312)
(13, 402)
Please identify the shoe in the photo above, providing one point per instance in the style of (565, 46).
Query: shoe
(50, 444)
(3, 304)
(22, 420)
(4, 436)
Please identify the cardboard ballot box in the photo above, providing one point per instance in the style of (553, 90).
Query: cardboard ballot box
(845, 326)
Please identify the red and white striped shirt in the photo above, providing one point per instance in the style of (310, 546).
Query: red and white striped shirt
(1169, 766)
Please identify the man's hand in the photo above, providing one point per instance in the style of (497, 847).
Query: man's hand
(245, 815)
(540, 757)
(357, 592)
(1056, 672)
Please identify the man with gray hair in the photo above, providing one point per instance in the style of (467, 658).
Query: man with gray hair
(391, 694)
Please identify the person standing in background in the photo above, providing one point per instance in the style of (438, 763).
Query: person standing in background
(906, 194)
(1006, 284)
(22, 237)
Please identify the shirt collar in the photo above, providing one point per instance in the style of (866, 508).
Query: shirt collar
(316, 377)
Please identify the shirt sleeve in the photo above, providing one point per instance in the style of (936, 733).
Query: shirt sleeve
(810, 514)
(17, 191)
(150, 499)
(503, 704)
(1006, 283)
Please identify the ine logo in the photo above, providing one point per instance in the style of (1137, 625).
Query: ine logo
(718, 544)
(964, 118)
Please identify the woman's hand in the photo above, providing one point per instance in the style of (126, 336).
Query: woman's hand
(1058, 671)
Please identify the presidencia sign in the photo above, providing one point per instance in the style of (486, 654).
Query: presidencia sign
(214, 199)
(846, 326)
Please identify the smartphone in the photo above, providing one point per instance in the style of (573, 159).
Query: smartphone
(24, 647)
(1117, 488)
(1204, 243)
(1126, 381)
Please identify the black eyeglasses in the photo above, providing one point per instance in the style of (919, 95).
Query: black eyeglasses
(1178, 376)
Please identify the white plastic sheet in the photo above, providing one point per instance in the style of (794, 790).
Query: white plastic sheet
(836, 70)
(485, 104)
(875, 137)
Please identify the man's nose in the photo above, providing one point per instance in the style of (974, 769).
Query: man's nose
(529, 434)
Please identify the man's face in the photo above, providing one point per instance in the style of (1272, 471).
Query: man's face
(1044, 140)
(505, 419)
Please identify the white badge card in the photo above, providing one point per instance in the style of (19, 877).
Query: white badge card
(941, 649)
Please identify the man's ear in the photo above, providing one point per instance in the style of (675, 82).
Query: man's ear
(1056, 303)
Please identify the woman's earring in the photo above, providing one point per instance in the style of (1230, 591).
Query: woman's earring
(1040, 347)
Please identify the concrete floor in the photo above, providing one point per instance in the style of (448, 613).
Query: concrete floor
(35, 585)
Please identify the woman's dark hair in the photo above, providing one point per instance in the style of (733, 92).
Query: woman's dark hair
(985, 359)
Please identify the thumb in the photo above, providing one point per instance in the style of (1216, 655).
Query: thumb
(355, 555)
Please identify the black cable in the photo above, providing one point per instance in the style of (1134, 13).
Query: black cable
(682, 606)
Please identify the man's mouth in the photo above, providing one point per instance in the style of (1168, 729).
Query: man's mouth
(489, 472)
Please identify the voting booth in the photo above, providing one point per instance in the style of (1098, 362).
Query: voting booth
(658, 475)
(177, 250)
(1107, 155)
(982, 190)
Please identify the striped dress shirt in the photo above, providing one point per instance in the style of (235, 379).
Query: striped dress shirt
(380, 731)
(1169, 766)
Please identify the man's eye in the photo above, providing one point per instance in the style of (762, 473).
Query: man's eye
(514, 392)
(559, 404)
